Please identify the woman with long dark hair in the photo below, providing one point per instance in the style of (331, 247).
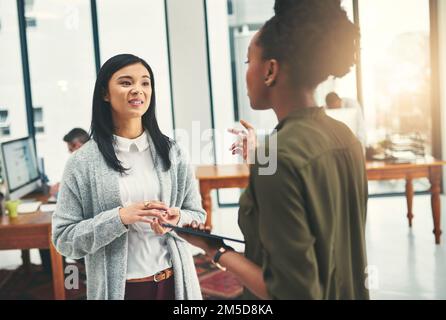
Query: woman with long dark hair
(117, 186)
(304, 225)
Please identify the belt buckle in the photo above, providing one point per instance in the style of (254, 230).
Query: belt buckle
(161, 273)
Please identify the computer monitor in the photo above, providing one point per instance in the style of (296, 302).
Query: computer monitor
(20, 167)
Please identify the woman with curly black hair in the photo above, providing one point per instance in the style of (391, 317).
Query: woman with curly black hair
(304, 225)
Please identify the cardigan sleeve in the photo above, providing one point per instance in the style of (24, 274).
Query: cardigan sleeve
(72, 234)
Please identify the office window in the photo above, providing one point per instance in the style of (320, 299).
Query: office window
(62, 71)
(396, 75)
(396, 67)
(142, 32)
(13, 121)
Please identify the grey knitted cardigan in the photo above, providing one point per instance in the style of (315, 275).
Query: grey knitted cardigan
(86, 222)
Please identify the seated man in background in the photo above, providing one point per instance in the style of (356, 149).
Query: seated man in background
(74, 139)
(357, 123)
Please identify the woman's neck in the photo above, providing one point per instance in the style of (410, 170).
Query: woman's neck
(286, 101)
(129, 129)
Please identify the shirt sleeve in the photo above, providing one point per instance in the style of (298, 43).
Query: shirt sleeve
(289, 260)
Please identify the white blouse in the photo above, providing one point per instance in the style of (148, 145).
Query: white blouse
(147, 252)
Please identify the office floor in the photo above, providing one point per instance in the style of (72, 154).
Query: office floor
(406, 262)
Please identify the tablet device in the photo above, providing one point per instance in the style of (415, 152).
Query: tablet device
(199, 233)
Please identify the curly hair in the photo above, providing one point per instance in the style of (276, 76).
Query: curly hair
(314, 38)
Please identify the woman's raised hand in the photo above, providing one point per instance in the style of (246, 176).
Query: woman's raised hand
(246, 142)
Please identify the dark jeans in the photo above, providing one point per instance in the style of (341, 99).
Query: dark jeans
(150, 290)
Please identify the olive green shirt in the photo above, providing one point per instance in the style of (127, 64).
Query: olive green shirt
(305, 224)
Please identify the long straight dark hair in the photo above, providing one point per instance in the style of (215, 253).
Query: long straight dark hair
(102, 126)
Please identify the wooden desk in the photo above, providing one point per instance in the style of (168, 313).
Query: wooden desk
(237, 176)
(33, 230)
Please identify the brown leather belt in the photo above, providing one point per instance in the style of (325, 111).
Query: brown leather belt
(159, 276)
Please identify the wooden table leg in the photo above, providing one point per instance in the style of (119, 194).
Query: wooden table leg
(26, 260)
(409, 199)
(58, 273)
(435, 180)
(206, 201)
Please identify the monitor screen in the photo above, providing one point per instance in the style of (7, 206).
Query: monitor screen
(20, 164)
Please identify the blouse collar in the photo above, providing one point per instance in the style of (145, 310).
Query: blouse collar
(124, 144)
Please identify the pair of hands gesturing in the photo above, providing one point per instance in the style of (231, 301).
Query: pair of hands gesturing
(153, 212)
(156, 213)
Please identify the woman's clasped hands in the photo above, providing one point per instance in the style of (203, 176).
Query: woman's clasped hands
(152, 212)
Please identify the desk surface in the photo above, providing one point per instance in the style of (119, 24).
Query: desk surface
(222, 171)
(228, 171)
(383, 165)
(28, 220)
